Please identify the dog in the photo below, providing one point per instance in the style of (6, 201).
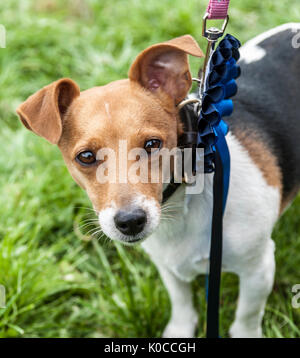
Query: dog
(143, 111)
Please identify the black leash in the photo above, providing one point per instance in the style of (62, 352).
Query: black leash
(216, 245)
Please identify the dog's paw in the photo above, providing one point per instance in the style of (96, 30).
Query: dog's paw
(238, 330)
(176, 330)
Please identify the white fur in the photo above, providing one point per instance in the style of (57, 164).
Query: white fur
(251, 51)
(180, 248)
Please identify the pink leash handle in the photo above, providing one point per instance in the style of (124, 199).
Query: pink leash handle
(217, 9)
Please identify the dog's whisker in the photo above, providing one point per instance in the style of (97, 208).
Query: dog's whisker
(95, 235)
(171, 207)
(167, 220)
(99, 231)
(171, 211)
(103, 236)
(85, 225)
(84, 207)
(168, 216)
(90, 220)
(168, 212)
(93, 230)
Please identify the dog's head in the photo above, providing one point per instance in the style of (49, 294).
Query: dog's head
(138, 113)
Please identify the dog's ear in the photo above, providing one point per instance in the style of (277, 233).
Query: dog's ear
(164, 70)
(43, 111)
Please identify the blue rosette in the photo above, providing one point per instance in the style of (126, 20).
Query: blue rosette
(219, 87)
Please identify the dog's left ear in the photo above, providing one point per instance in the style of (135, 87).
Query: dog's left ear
(164, 70)
(43, 112)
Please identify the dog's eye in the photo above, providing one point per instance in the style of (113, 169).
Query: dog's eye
(86, 158)
(152, 145)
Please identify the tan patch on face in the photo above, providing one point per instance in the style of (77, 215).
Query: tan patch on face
(103, 116)
(263, 158)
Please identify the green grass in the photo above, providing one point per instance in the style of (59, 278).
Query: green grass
(60, 282)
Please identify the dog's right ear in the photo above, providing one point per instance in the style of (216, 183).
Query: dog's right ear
(43, 111)
(163, 69)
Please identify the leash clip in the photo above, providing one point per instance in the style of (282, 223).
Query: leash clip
(213, 33)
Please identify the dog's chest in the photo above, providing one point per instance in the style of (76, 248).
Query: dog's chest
(182, 242)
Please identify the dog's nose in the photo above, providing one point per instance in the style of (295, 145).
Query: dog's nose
(130, 222)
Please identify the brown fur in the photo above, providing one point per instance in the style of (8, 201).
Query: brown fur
(140, 108)
(42, 112)
(264, 159)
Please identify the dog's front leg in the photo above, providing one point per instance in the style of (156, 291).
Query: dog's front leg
(184, 318)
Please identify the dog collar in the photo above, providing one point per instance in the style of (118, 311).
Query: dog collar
(202, 119)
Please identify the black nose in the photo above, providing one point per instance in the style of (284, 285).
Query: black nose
(130, 222)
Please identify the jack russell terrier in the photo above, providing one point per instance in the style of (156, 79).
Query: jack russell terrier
(142, 110)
